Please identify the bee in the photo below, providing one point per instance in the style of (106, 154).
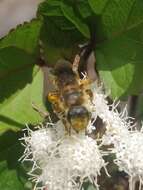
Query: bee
(69, 100)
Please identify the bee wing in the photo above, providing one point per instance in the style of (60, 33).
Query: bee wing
(48, 82)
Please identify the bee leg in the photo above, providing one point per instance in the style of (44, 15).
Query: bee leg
(65, 124)
(69, 130)
(42, 113)
(67, 127)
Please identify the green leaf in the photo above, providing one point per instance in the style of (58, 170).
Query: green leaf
(10, 172)
(84, 9)
(120, 59)
(136, 15)
(50, 8)
(61, 41)
(97, 5)
(24, 37)
(120, 63)
(69, 13)
(17, 110)
(116, 15)
(17, 58)
(15, 71)
(55, 30)
(8, 178)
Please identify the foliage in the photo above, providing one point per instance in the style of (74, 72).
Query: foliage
(12, 175)
(62, 25)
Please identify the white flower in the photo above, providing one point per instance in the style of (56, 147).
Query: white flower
(129, 156)
(127, 144)
(65, 161)
(40, 143)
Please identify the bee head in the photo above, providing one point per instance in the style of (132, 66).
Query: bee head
(62, 67)
(64, 73)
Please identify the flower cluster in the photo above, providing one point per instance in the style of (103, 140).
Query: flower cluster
(65, 162)
(125, 140)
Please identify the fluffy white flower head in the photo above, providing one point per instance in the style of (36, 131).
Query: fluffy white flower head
(127, 143)
(65, 161)
(129, 156)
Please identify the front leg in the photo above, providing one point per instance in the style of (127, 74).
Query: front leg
(67, 126)
(41, 112)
